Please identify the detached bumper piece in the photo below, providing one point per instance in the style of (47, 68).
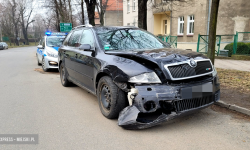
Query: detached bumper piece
(156, 104)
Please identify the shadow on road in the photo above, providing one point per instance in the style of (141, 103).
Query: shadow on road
(50, 71)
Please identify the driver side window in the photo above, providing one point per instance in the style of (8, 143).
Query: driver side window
(74, 38)
(87, 38)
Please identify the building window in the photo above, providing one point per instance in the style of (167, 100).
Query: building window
(165, 25)
(180, 25)
(190, 25)
(133, 5)
(128, 6)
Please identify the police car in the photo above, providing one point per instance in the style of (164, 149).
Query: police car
(47, 50)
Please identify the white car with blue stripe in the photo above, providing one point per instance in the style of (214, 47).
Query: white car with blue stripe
(47, 50)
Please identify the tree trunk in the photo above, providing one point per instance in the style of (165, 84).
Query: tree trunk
(91, 11)
(16, 35)
(82, 11)
(212, 29)
(142, 14)
(70, 11)
(57, 16)
(102, 18)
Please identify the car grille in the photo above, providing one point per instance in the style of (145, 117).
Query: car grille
(186, 104)
(185, 70)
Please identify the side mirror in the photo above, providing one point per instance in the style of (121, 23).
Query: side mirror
(85, 47)
(40, 46)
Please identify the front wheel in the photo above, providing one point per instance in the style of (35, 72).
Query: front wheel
(44, 65)
(111, 99)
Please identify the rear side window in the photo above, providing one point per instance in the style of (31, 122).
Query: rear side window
(74, 38)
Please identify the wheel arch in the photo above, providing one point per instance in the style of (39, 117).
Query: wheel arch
(98, 77)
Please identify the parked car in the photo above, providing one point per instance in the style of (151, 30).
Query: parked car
(5, 45)
(136, 76)
(1, 46)
(47, 50)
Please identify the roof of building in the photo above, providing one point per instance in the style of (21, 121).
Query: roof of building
(114, 5)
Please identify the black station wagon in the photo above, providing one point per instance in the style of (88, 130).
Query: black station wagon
(136, 76)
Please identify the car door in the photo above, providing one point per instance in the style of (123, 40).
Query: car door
(69, 52)
(85, 61)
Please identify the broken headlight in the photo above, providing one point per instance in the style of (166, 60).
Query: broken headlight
(145, 78)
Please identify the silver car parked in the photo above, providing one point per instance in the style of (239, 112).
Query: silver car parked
(5, 45)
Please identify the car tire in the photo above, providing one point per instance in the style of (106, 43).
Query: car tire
(38, 63)
(111, 99)
(43, 66)
(64, 76)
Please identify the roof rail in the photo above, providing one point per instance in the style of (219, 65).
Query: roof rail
(87, 25)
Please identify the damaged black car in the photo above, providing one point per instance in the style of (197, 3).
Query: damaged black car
(136, 76)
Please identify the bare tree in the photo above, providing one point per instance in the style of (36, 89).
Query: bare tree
(91, 10)
(15, 16)
(26, 9)
(101, 8)
(212, 29)
(6, 21)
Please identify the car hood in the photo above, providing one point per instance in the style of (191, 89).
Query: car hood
(160, 56)
(53, 49)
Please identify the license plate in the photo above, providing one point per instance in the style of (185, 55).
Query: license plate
(197, 91)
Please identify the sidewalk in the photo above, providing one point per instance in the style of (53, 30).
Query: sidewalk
(232, 64)
(235, 84)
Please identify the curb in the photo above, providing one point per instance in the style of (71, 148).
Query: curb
(233, 107)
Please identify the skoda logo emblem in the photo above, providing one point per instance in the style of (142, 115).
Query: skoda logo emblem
(193, 63)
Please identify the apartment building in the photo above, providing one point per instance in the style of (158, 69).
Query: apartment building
(188, 19)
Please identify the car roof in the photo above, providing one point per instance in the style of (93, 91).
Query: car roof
(102, 27)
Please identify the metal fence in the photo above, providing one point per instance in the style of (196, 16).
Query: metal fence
(172, 40)
(243, 37)
(223, 40)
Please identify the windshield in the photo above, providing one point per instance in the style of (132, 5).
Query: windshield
(54, 41)
(128, 39)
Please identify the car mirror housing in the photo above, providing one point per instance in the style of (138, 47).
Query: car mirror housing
(40, 46)
(85, 47)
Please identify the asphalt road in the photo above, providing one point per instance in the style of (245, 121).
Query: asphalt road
(69, 118)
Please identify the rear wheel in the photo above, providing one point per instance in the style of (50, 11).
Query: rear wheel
(111, 99)
(64, 76)
(44, 65)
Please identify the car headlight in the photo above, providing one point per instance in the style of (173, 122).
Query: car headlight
(216, 76)
(51, 54)
(145, 78)
(215, 72)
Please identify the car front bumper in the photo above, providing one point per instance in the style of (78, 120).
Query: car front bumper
(154, 104)
(51, 62)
